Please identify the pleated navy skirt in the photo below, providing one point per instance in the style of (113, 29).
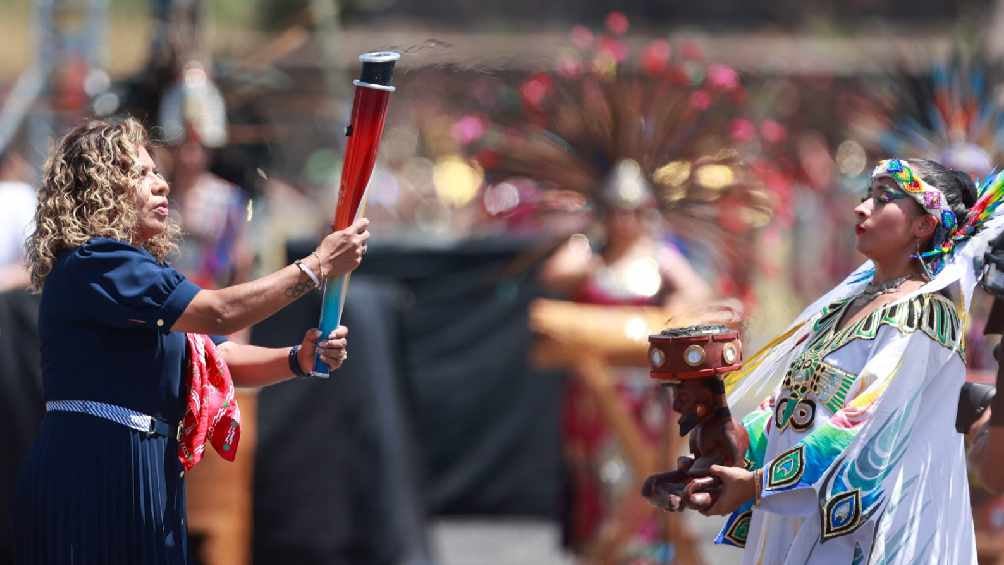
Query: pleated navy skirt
(96, 492)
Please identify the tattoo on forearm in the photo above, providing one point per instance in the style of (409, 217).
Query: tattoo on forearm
(299, 289)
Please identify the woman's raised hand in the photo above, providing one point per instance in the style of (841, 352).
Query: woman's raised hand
(342, 251)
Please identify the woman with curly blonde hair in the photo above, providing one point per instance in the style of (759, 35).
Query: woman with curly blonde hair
(134, 388)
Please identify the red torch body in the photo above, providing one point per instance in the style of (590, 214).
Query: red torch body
(369, 110)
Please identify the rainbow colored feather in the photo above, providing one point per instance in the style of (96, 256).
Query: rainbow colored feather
(991, 194)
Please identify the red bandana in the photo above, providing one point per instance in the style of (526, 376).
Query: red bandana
(211, 414)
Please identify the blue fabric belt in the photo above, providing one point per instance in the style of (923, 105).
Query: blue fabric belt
(124, 416)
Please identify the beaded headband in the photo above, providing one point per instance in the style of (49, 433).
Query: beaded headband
(931, 199)
(990, 195)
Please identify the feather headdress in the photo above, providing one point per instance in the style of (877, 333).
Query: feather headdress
(661, 112)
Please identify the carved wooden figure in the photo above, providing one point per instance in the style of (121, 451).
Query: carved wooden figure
(692, 360)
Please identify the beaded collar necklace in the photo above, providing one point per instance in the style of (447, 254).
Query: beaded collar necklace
(873, 290)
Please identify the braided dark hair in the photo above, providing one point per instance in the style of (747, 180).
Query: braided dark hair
(958, 187)
(960, 192)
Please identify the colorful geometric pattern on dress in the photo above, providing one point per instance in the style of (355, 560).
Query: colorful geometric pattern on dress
(932, 313)
(797, 413)
(852, 490)
(786, 469)
(809, 374)
(834, 387)
(799, 467)
(756, 428)
(841, 515)
(803, 465)
(736, 530)
(794, 412)
(739, 530)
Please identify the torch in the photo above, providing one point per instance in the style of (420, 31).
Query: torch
(369, 109)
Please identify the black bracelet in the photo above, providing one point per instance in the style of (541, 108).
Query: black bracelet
(294, 362)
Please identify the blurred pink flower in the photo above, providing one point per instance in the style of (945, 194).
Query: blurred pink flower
(615, 48)
(690, 50)
(700, 99)
(656, 55)
(569, 66)
(535, 89)
(723, 77)
(617, 23)
(468, 129)
(773, 131)
(581, 37)
(742, 129)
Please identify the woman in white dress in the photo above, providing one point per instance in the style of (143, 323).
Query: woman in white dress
(854, 456)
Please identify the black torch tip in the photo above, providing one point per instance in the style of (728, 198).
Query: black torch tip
(378, 67)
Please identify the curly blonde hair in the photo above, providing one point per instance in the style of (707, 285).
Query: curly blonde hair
(88, 190)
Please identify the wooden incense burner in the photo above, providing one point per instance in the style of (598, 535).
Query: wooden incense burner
(692, 361)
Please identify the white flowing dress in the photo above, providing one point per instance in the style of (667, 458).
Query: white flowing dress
(861, 461)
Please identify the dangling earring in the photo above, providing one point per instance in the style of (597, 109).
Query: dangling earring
(923, 264)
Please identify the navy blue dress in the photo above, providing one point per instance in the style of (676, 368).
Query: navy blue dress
(94, 491)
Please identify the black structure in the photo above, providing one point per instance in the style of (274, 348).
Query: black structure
(436, 411)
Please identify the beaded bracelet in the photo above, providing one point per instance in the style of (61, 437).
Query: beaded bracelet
(294, 362)
(757, 483)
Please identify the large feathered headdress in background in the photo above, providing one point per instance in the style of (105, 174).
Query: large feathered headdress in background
(615, 124)
(951, 114)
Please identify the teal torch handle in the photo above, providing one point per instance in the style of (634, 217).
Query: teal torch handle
(332, 302)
